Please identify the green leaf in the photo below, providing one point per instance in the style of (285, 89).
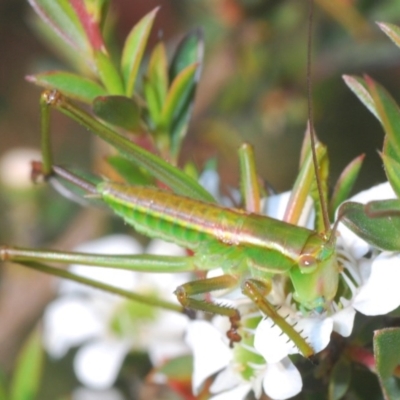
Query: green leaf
(108, 73)
(131, 173)
(157, 81)
(382, 105)
(386, 343)
(72, 85)
(177, 95)
(62, 18)
(344, 184)
(3, 386)
(26, 379)
(392, 169)
(380, 208)
(360, 88)
(340, 378)
(393, 31)
(189, 51)
(381, 232)
(118, 110)
(133, 50)
(389, 113)
(179, 368)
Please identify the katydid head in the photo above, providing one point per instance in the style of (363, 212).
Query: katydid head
(315, 279)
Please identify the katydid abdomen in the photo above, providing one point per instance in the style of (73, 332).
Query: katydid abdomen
(232, 239)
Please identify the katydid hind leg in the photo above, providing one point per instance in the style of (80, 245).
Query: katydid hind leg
(186, 292)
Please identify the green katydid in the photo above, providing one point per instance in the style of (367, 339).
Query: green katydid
(250, 248)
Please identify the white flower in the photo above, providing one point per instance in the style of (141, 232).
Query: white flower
(279, 380)
(107, 326)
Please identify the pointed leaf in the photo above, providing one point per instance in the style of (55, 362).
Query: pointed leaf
(133, 50)
(62, 18)
(340, 379)
(73, 86)
(131, 173)
(179, 368)
(392, 169)
(345, 184)
(177, 95)
(388, 111)
(381, 232)
(189, 51)
(26, 379)
(380, 208)
(360, 88)
(386, 343)
(157, 78)
(108, 73)
(89, 24)
(120, 111)
(393, 31)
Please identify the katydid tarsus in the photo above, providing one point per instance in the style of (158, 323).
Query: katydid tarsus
(249, 247)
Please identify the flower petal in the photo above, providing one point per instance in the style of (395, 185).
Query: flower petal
(97, 364)
(317, 330)
(343, 320)
(270, 342)
(227, 379)
(282, 380)
(381, 293)
(83, 393)
(238, 393)
(210, 352)
(68, 322)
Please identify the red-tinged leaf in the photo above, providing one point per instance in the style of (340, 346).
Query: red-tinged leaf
(393, 31)
(177, 94)
(360, 88)
(118, 110)
(89, 24)
(73, 86)
(133, 50)
(62, 18)
(344, 184)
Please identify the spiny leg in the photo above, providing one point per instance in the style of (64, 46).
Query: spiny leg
(185, 292)
(255, 290)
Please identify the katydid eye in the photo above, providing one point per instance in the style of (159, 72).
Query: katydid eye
(307, 263)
